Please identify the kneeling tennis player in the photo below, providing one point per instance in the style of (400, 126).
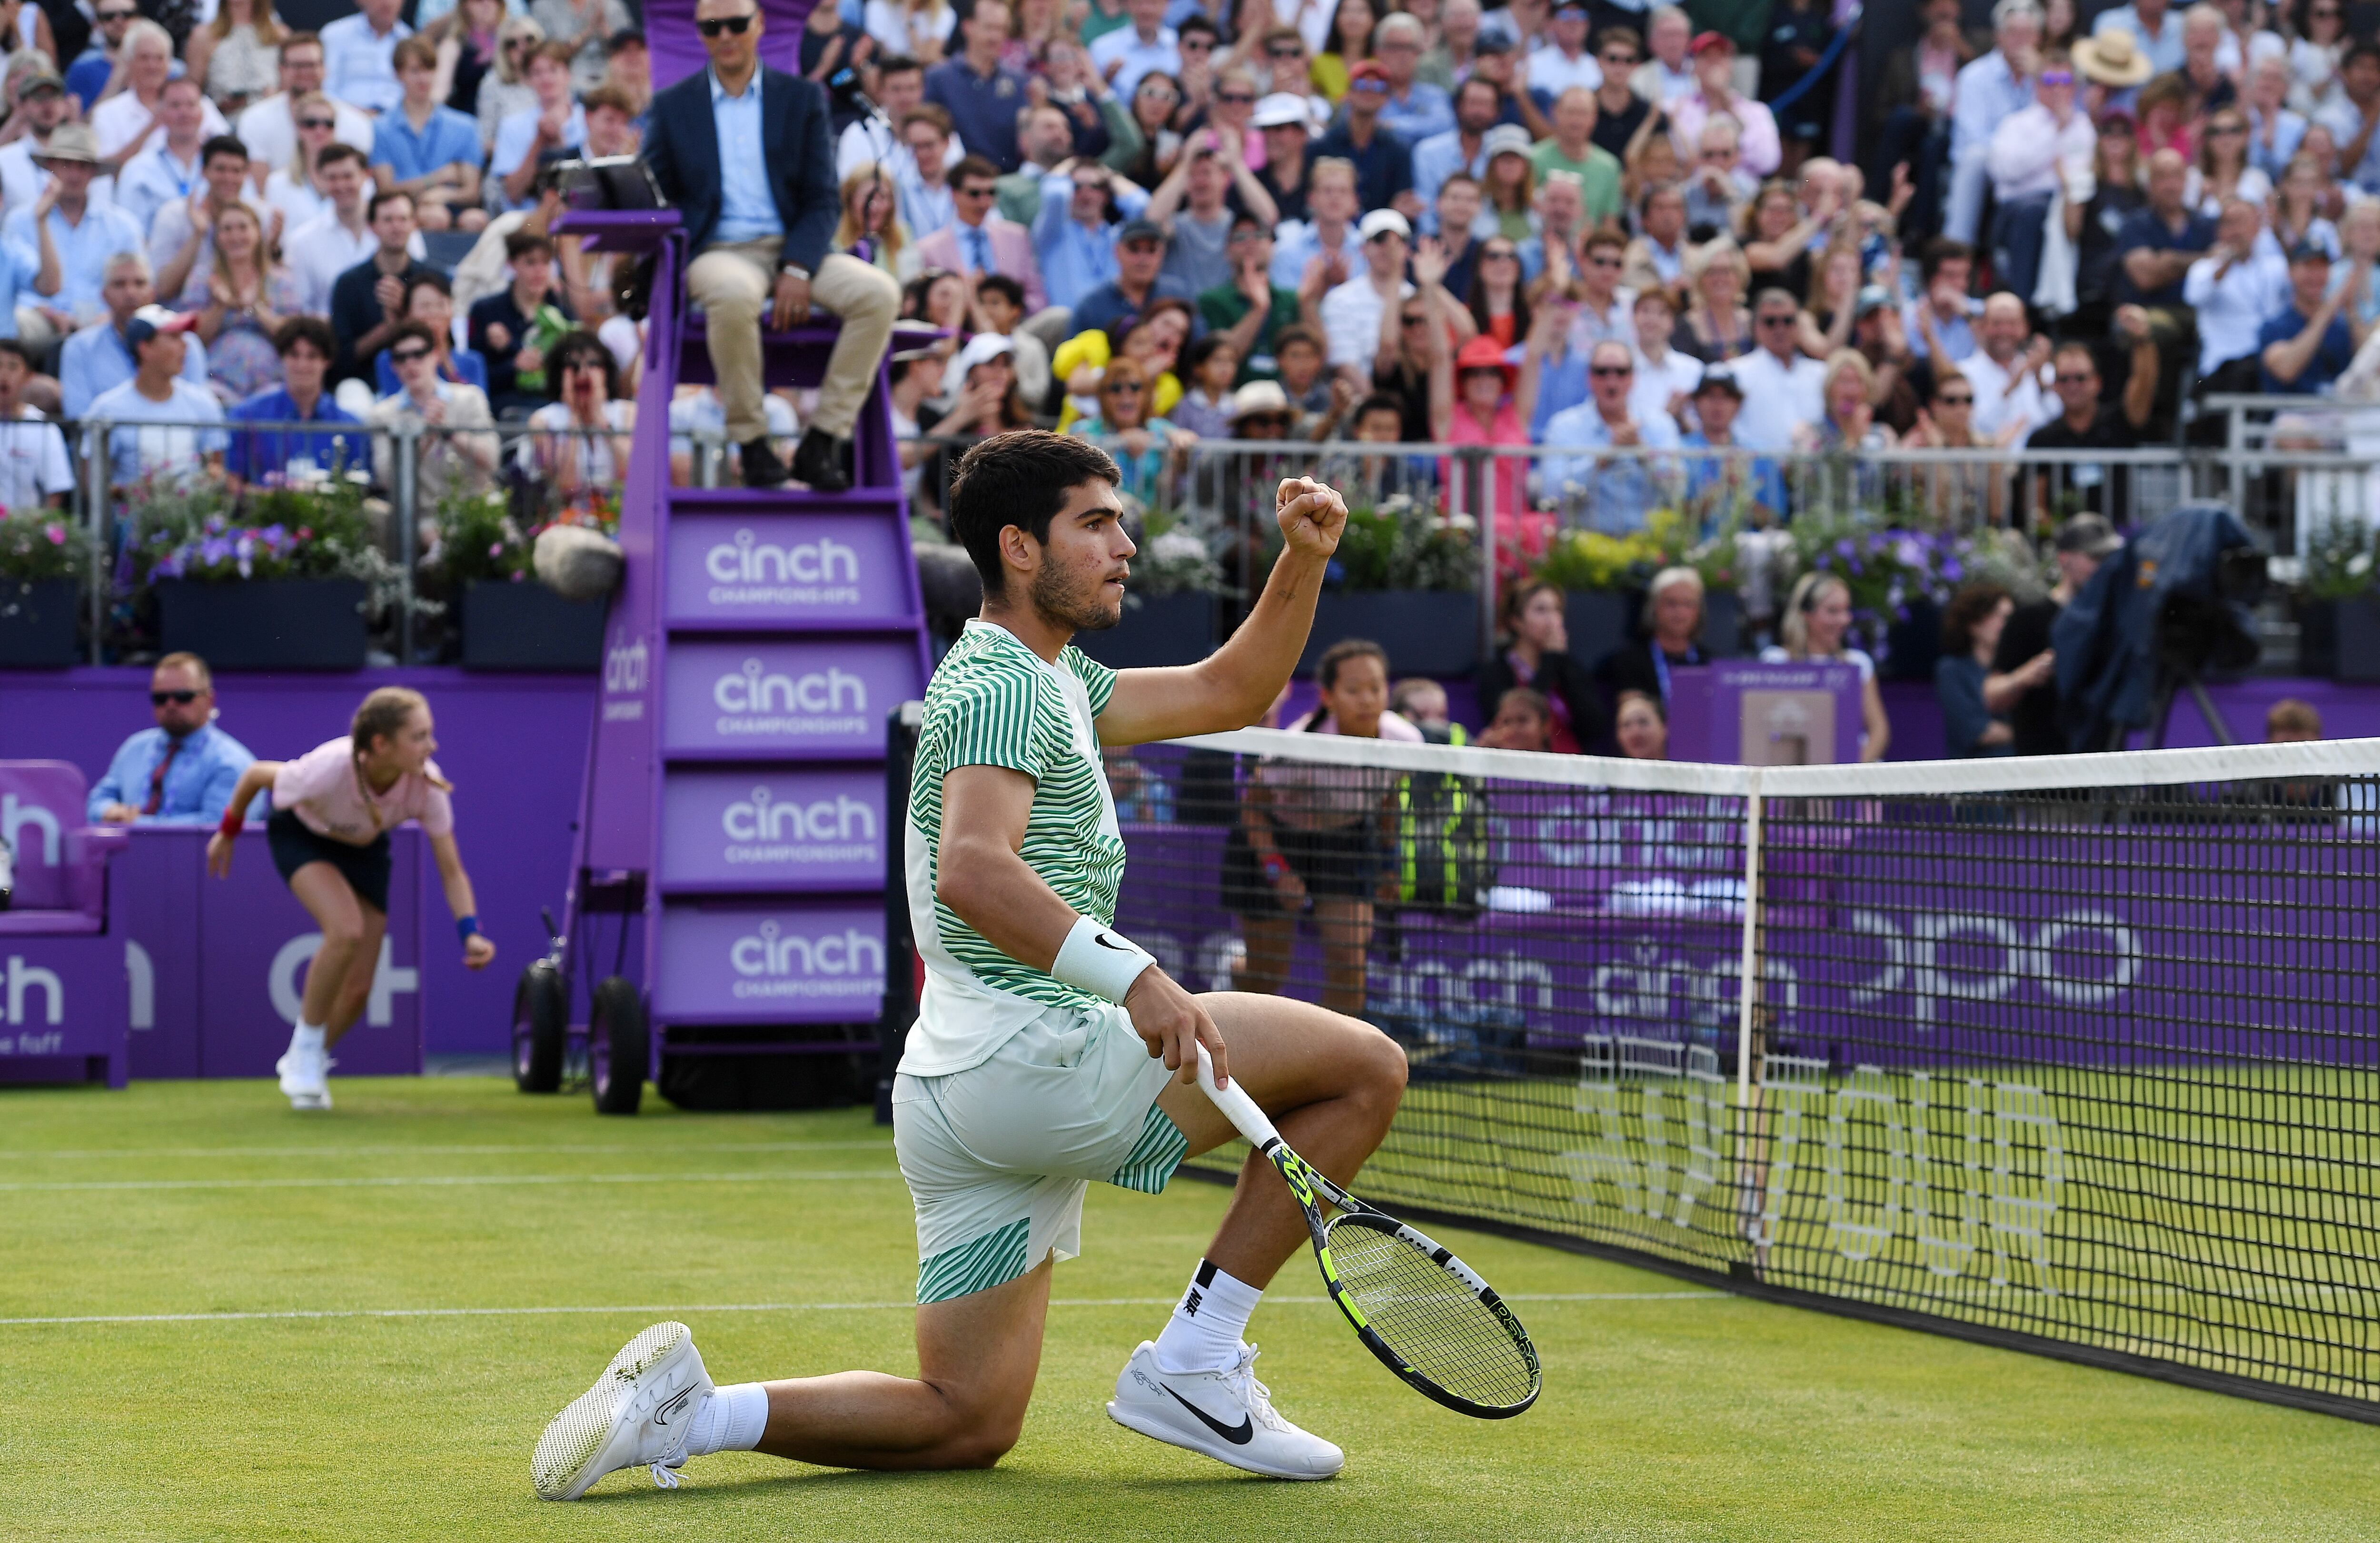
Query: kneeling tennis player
(1050, 1050)
(332, 808)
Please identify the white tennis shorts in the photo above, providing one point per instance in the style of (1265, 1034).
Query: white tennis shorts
(998, 1156)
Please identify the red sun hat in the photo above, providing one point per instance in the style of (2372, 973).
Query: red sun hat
(1485, 353)
(1704, 42)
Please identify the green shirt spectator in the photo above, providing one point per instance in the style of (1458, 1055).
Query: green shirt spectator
(1598, 172)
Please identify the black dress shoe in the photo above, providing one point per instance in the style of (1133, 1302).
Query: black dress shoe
(761, 466)
(823, 462)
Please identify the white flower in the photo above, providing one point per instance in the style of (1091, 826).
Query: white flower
(2360, 564)
(1177, 546)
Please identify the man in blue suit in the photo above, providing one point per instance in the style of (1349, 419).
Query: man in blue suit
(746, 155)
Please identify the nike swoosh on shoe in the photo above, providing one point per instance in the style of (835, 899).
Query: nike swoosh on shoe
(1238, 1435)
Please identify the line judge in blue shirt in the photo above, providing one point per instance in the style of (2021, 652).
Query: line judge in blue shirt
(182, 772)
(746, 156)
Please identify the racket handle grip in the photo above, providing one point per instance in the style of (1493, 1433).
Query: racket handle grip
(1237, 1107)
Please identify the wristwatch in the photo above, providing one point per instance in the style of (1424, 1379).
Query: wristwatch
(794, 270)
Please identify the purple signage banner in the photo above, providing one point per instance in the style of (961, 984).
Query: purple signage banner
(787, 570)
(770, 964)
(40, 802)
(774, 829)
(63, 1008)
(770, 698)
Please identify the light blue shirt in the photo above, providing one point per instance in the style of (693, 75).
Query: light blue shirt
(97, 359)
(199, 783)
(360, 65)
(2164, 51)
(1075, 260)
(1989, 91)
(1440, 157)
(1137, 59)
(446, 139)
(83, 250)
(1426, 111)
(1616, 494)
(1294, 245)
(517, 133)
(748, 210)
(2345, 121)
(927, 210)
(151, 180)
(2289, 132)
(157, 438)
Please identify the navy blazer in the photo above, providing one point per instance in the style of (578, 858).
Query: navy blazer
(682, 150)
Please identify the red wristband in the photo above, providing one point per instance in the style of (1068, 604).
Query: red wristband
(232, 820)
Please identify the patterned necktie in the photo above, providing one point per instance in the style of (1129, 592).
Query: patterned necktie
(157, 778)
(979, 250)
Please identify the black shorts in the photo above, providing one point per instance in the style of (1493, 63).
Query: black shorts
(365, 869)
(1346, 863)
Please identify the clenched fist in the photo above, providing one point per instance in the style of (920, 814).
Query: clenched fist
(1312, 516)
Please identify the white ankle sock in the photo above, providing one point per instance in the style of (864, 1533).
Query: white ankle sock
(731, 1419)
(1208, 1323)
(306, 1037)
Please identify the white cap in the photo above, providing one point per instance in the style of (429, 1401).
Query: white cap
(1281, 109)
(981, 348)
(1379, 220)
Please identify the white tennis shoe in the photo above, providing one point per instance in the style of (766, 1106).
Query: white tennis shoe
(305, 1078)
(1227, 1415)
(639, 1414)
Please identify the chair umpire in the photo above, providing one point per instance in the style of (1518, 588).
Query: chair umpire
(744, 153)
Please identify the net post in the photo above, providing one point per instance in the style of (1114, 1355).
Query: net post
(1748, 968)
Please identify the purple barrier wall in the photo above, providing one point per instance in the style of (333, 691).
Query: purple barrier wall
(516, 746)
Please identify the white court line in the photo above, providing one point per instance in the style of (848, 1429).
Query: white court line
(773, 1307)
(19, 1154)
(798, 1176)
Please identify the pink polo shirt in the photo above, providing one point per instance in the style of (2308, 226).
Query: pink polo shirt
(325, 788)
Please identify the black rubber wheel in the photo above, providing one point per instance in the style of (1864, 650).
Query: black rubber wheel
(540, 1021)
(617, 1047)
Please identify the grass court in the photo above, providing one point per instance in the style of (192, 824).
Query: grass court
(354, 1326)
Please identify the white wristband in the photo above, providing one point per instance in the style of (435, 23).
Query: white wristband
(1100, 960)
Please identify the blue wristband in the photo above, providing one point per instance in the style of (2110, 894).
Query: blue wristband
(467, 928)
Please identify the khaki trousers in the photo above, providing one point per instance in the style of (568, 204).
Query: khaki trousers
(733, 283)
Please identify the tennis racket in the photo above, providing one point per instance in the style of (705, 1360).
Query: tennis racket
(1427, 1316)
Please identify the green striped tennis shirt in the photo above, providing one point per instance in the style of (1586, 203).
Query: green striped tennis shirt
(995, 702)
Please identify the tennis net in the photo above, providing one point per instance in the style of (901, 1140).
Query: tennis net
(2077, 1055)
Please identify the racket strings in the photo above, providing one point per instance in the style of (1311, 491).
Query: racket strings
(1430, 1316)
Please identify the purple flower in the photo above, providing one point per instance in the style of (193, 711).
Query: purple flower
(1843, 548)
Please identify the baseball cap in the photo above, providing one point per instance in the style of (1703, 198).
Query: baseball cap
(981, 348)
(38, 81)
(2089, 534)
(1505, 138)
(1704, 42)
(2309, 251)
(1141, 230)
(1380, 220)
(1719, 379)
(1562, 6)
(1258, 397)
(151, 319)
(1281, 109)
(1367, 69)
(1872, 296)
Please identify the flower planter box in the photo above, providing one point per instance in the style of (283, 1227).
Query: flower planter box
(528, 626)
(1425, 632)
(1157, 630)
(297, 624)
(2340, 638)
(37, 623)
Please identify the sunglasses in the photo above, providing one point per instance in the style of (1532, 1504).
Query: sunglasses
(1619, 59)
(406, 356)
(1123, 388)
(318, 123)
(1161, 93)
(1605, 262)
(1415, 321)
(1721, 155)
(1369, 87)
(977, 192)
(1196, 45)
(1237, 99)
(718, 24)
(2077, 380)
(2057, 78)
(1777, 320)
(106, 17)
(1948, 401)
(179, 699)
(1300, 53)
(2227, 128)
(1612, 371)
(1499, 255)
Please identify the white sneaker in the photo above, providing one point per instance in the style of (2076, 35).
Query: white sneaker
(1226, 1415)
(305, 1078)
(639, 1411)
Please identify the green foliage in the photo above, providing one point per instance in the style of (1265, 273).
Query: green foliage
(1400, 544)
(191, 528)
(37, 545)
(1173, 560)
(477, 541)
(1592, 560)
(2342, 560)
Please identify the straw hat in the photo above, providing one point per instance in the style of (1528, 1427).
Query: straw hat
(2112, 58)
(71, 142)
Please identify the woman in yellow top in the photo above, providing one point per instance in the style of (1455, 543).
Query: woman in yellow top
(1347, 43)
(1153, 342)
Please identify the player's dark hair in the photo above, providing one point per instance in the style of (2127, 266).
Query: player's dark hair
(1970, 605)
(521, 243)
(1379, 401)
(1021, 479)
(1326, 668)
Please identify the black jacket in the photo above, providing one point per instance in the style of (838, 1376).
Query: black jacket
(1558, 675)
(682, 150)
